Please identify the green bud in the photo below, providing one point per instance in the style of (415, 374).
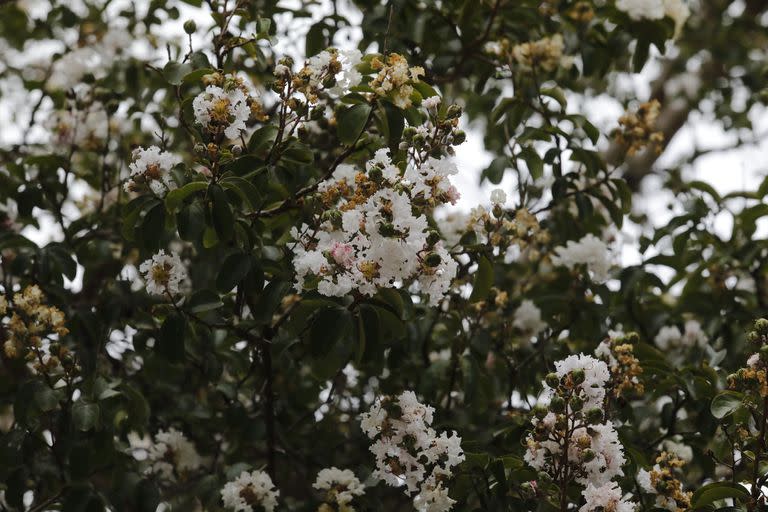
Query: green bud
(332, 216)
(190, 26)
(588, 455)
(433, 237)
(498, 211)
(578, 376)
(753, 337)
(386, 229)
(459, 137)
(561, 422)
(632, 338)
(594, 415)
(552, 380)
(764, 353)
(577, 403)
(375, 174)
(433, 259)
(557, 405)
(409, 132)
(112, 106)
(540, 411)
(761, 325)
(454, 111)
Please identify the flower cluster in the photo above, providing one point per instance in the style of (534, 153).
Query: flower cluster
(151, 168)
(638, 129)
(163, 273)
(250, 492)
(571, 441)
(395, 79)
(670, 338)
(225, 106)
(332, 69)
(527, 318)
(619, 353)
(409, 452)
(606, 498)
(374, 232)
(33, 330)
(589, 251)
(543, 55)
(84, 127)
(754, 377)
(169, 456)
(340, 486)
(662, 481)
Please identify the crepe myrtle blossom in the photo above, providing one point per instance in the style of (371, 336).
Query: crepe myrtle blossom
(605, 498)
(374, 233)
(589, 251)
(670, 337)
(678, 10)
(250, 492)
(527, 317)
(151, 167)
(163, 273)
(168, 455)
(409, 452)
(340, 486)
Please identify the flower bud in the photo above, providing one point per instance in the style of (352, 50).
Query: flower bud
(578, 376)
(753, 337)
(453, 112)
(433, 237)
(588, 455)
(237, 150)
(200, 149)
(577, 403)
(632, 338)
(764, 353)
(552, 380)
(409, 132)
(190, 26)
(557, 405)
(761, 325)
(433, 259)
(527, 490)
(540, 411)
(375, 174)
(459, 137)
(595, 415)
(386, 229)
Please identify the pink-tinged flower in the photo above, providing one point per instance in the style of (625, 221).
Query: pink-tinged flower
(343, 254)
(453, 194)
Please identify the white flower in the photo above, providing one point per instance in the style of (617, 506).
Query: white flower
(644, 480)
(498, 196)
(605, 498)
(596, 375)
(250, 492)
(341, 485)
(433, 499)
(163, 273)
(431, 103)
(409, 452)
(668, 336)
(168, 455)
(642, 9)
(589, 251)
(381, 241)
(152, 167)
(215, 108)
(527, 317)
(683, 451)
(753, 360)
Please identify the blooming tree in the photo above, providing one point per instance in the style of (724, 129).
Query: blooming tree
(241, 273)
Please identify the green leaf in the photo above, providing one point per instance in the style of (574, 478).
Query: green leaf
(351, 122)
(170, 344)
(85, 416)
(176, 197)
(175, 72)
(483, 280)
(204, 300)
(221, 213)
(328, 328)
(234, 268)
(262, 139)
(533, 161)
(725, 403)
(556, 94)
(495, 172)
(710, 493)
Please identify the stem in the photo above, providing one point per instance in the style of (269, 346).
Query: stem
(756, 492)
